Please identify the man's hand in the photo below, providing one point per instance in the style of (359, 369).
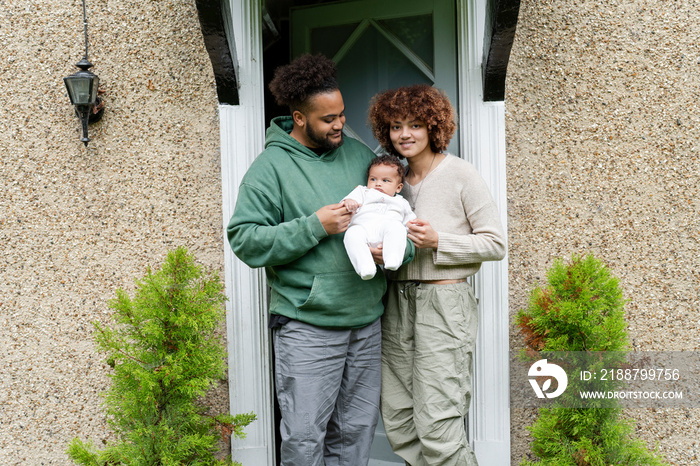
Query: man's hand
(422, 234)
(335, 218)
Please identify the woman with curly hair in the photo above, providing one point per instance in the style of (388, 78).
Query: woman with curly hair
(430, 320)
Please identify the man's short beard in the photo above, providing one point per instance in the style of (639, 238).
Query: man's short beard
(322, 141)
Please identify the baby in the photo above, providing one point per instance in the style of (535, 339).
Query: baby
(380, 217)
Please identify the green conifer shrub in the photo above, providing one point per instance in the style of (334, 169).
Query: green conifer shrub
(581, 309)
(165, 355)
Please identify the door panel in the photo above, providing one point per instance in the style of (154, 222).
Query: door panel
(380, 45)
(391, 69)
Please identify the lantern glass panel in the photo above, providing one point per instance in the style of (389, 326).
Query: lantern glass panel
(93, 89)
(82, 89)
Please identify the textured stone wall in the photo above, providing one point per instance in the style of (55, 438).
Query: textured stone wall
(602, 113)
(602, 124)
(76, 223)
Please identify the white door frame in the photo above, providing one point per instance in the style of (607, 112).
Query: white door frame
(242, 130)
(482, 126)
(482, 132)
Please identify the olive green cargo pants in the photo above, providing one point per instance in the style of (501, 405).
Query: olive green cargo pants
(428, 337)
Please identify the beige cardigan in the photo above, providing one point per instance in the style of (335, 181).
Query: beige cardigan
(457, 203)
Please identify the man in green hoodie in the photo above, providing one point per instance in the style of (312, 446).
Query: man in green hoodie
(324, 317)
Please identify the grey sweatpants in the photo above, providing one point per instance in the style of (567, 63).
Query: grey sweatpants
(327, 385)
(428, 338)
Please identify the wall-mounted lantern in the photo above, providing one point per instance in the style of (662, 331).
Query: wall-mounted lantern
(82, 90)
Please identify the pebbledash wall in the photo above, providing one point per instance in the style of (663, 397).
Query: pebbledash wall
(76, 223)
(602, 156)
(603, 145)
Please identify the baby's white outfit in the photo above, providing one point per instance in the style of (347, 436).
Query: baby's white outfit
(381, 219)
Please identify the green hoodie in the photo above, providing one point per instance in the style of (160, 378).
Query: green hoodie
(274, 225)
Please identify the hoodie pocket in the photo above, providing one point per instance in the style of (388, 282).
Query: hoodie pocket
(331, 291)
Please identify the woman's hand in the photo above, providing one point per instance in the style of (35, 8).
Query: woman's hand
(422, 234)
(377, 255)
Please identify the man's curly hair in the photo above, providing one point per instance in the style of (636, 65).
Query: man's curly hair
(308, 75)
(420, 101)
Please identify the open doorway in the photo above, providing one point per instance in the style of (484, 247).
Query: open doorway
(376, 46)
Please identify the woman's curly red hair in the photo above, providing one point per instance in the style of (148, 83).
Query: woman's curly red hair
(420, 101)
